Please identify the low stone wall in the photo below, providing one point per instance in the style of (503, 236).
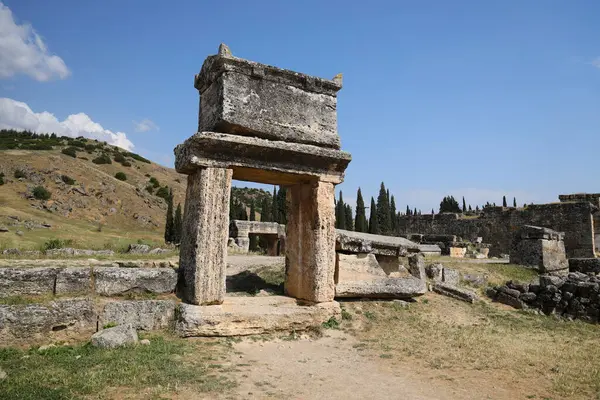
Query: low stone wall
(496, 225)
(575, 296)
(104, 281)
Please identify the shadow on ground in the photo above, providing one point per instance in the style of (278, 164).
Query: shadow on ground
(251, 283)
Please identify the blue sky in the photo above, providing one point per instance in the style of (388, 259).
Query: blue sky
(466, 98)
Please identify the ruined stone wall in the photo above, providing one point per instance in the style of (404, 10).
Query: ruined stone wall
(593, 198)
(497, 225)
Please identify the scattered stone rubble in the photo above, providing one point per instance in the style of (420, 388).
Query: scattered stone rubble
(575, 296)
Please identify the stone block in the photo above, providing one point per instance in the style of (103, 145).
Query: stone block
(416, 266)
(359, 242)
(239, 316)
(293, 107)
(74, 280)
(435, 272)
(539, 248)
(117, 336)
(33, 321)
(146, 315)
(310, 242)
(451, 276)
(356, 267)
(27, 281)
(455, 292)
(110, 281)
(203, 247)
(400, 288)
(585, 265)
(458, 252)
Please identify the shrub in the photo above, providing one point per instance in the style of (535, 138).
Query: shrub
(154, 182)
(139, 158)
(70, 151)
(163, 192)
(121, 176)
(90, 148)
(1, 178)
(102, 159)
(67, 179)
(40, 193)
(19, 174)
(56, 244)
(119, 157)
(126, 164)
(150, 189)
(76, 143)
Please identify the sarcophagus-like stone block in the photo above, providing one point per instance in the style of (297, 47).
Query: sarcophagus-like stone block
(246, 98)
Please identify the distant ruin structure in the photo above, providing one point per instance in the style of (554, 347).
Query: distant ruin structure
(540, 248)
(263, 124)
(272, 232)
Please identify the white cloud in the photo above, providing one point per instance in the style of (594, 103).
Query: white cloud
(22, 51)
(17, 115)
(596, 62)
(145, 125)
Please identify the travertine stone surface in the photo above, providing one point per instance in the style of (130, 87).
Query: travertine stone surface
(110, 281)
(293, 107)
(141, 314)
(204, 237)
(399, 288)
(239, 316)
(356, 267)
(74, 280)
(310, 242)
(260, 160)
(27, 281)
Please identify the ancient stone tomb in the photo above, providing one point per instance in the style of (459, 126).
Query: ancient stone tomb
(262, 124)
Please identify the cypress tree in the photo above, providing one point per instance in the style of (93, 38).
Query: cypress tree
(407, 210)
(349, 219)
(383, 212)
(464, 209)
(432, 212)
(504, 201)
(393, 219)
(282, 205)
(470, 209)
(514, 202)
(253, 238)
(415, 213)
(373, 224)
(360, 224)
(274, 206)
(177, 224)
(340, 213)
(265, 208)
(169, 224)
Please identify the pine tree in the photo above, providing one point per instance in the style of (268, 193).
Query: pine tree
(464, 209)
(373, 223)
(340, 213)
(177, 225)
(504, 204)
(253, 238)
(348, 215)
(360, 224)
(169, 224)
(274, 206)
(394, 221)
(514, 202)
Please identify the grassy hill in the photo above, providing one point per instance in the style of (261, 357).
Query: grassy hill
(100, 196)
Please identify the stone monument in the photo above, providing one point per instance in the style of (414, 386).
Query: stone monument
(263, 124)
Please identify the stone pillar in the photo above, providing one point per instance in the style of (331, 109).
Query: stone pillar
(272, 242)
(310, 242)
(203, 249)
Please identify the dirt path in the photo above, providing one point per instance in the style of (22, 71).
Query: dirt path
(333, 368)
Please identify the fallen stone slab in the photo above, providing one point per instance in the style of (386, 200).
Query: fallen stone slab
(358, 242)
(400, 288)
(111, 281)
(240, 316)
(27, 281)
(117, 336)
(26, 322)
(455, 292)
(430, 249)
(146, 315)
(74, 280)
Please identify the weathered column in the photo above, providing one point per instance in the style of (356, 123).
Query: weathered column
(203, 249)
(310, 242)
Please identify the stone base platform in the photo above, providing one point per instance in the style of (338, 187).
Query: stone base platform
(240, 316)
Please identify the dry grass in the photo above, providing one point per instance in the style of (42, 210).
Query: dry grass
(441, 334)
